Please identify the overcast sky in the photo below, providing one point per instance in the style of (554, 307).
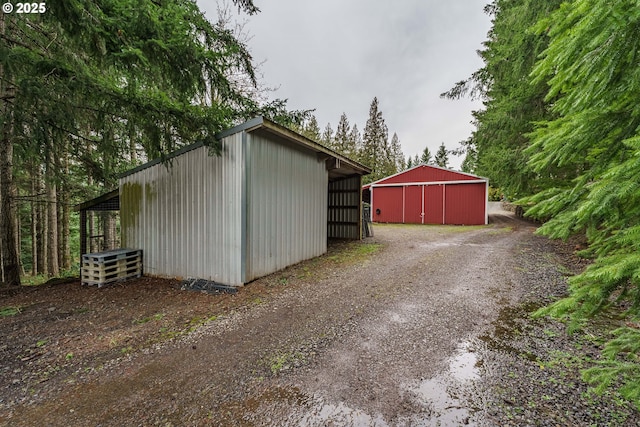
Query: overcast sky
(336, 55)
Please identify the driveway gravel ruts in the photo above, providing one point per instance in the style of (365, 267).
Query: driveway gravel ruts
(409, 336)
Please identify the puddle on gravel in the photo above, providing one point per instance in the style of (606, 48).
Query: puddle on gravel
(464, 366)
(439, 401)
(325, 414)
(444, 394)
(507, 327)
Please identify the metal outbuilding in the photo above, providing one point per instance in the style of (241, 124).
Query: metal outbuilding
(271, 198)
(427, 194)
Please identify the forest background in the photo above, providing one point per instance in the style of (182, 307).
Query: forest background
(92, 88)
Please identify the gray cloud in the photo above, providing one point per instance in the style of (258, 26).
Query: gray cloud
(336, 55)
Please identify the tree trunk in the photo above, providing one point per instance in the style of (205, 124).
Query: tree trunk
(41, 228)
(91, 232)
(64, 251)
(110, 235)
(10, 263)
(34, 221)
(52, 215)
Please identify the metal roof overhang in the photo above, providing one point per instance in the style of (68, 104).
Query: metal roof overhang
(106, 202)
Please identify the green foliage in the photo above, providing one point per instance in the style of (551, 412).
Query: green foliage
(495, 194)
(344, 144)
(562, 128)
(326, 138)
(425, 158)
(376, 150)
(9, 311)
(310, 129)
(512, 104)
(91, 89)
(591, 70)
(621, 367)
(442, 156)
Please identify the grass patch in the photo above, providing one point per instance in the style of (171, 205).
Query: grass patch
(283, 361)
(9, 311)
(157, 316)
(353, 252)
(43, 278)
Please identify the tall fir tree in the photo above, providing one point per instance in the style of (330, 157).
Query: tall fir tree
(327, 138)
(311, 129)
(396, 153)
(425, 158)
(513, 103)
(355, 141)
(375, 153)
(442, 156)
(343, 142)
(86, 84)
(591, 68)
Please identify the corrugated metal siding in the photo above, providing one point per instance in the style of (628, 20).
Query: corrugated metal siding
(286, 206)
(413, 204)
(426, 173)
(465, 204)
(387, 204)
(344, 216)
(187, 219)
(433, 204)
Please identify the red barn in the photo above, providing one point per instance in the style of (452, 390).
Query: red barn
(428, 194)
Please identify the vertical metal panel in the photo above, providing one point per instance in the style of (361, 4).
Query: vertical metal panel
(286, 205)
(433, 208)
(426, 173)
(345, 216)
(387, 204)
(465, 204)
(186, 218)
(446, 203)
(413, 204)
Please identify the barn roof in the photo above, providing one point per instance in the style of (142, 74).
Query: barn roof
(339, 166)
(464, 176)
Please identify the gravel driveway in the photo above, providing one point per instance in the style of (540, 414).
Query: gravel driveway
(429, 330)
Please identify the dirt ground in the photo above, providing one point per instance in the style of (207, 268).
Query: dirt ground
(405, 328)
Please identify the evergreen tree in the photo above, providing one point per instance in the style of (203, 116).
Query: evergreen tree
(512, 101)
(355, 142)
(426, 156)
(311, 129)
(327, 138)
(470, 161)
(409, 162)
(396, 153)
(442, 156)
(343, 141)
(591, 67)
(416, 160)
(375, 152)
(96, 82)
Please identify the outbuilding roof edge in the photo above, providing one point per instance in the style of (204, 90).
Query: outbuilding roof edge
(249, 126)
(421, 165)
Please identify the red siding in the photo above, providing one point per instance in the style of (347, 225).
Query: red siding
(433, 204)
(426, 173)
(465, 204)
(413, 204)
(446, 203)
(387, 201)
